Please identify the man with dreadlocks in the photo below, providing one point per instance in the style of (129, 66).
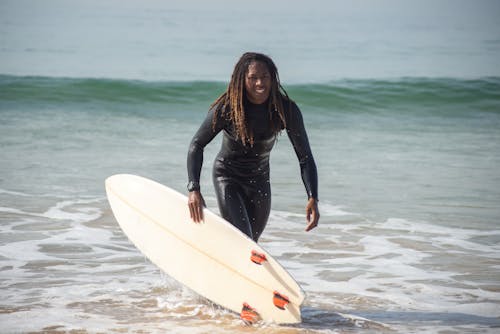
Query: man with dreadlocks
(252, 112)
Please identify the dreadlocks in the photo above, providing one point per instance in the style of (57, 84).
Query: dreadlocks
(232, 99)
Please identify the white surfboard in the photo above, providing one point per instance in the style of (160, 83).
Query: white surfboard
(212, 258)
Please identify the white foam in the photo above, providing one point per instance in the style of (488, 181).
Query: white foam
(57, 212)
(397, 274)
(386, 264)
(330, 210)
(14, 193)
(82, 214)
(284, 215)
(13, 210)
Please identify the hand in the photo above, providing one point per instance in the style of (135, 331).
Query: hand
(196, 204)
(312, 214)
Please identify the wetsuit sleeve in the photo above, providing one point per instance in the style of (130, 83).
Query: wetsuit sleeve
(298, 137)
(203, 136)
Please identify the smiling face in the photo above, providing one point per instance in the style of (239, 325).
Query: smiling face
(257, 82)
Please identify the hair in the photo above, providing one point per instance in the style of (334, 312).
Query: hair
(232, 100)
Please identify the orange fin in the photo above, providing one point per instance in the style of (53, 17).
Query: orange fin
(248, 314)
(280, 301)
(258, 258)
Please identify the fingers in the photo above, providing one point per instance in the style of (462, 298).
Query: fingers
(194, 212)
(196, 204)
(312, 224)
(312, 214)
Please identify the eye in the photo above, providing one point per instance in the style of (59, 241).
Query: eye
(255, 77)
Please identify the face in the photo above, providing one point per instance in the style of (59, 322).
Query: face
(257, 82)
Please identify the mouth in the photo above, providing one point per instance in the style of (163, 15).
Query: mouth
(258, 94)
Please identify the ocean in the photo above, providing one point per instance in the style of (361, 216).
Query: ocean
(401, 102)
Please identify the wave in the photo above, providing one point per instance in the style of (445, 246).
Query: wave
(78, 90)
(349, 95)
(402, 94)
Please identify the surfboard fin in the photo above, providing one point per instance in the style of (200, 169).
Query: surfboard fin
(258, 258)
(248, 314)
(280, 301)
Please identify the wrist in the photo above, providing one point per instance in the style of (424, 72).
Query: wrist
(193, 186)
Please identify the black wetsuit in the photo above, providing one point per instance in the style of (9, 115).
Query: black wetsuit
(241, 173)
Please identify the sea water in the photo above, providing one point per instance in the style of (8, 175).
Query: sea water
(405, 133)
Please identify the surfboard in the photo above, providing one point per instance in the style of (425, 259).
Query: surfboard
(212, 258)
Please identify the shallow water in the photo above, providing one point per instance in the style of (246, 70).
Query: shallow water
(408, 239)
(68, 266)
